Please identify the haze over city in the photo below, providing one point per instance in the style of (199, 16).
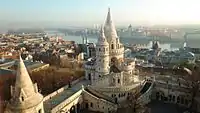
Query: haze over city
(37, 13)
(99, 56)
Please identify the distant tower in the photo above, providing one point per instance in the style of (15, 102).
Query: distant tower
(85, 35)
(130, 30)
(102, 55)
(25, 97)
(116, 49)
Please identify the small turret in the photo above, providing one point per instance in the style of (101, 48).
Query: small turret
(102, 55)
(102, 39)
(25, 97)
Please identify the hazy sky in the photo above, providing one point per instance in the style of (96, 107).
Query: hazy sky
(83, 12)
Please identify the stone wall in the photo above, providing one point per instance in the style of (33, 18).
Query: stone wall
(94, 103)
(176, 95)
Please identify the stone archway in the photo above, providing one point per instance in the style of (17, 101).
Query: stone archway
(157, 96)
(72, 109)
(116, 100)
(178, 100)
(86, 105)
(169, 97)
(173, 98)
(89, 76)
(78, 108)
(162, 96)
(182, 100)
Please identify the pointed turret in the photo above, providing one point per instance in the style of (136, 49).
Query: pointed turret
(24, 95)
(109, 27)
(102, 39)
(23, 80)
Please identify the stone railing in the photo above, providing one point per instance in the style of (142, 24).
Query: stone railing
(106, 101)
(61, 89)
(173, 87)
(145, 98)
(116, 89)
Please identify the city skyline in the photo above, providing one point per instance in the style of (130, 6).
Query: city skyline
(81, 12)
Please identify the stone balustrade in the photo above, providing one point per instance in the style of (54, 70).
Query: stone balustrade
(145, 98)
(116, 89)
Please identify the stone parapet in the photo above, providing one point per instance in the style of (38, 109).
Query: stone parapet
(116, 89)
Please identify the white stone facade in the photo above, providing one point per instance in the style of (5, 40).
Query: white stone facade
(25, 97)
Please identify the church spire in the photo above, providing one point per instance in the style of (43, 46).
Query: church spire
(102, 38)
(23, 80)
(24, 95)
(109, 17)
(109, 27)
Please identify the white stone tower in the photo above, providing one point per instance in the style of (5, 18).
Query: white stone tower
(25, 97)
(116, 48)
(102, 55)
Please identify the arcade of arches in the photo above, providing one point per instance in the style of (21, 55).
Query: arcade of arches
(180, 99)
(75, 109)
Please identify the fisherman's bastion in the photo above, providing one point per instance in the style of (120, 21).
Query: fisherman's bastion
(111, 82)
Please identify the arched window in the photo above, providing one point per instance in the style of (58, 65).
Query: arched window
(40, 111)
(22, 98)
(112, 46)
(118, 80)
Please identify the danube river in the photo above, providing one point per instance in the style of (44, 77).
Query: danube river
(78, 39)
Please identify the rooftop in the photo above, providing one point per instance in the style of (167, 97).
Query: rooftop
(6, 72)
(60, 97)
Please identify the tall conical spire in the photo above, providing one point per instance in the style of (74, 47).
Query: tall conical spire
(109, 17)
(25, 95)
(23, 80)
(109, 27)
